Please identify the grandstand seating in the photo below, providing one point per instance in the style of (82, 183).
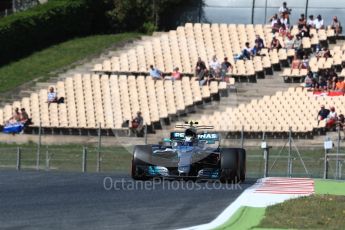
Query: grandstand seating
(295, 108)
(119, 87)
(93, 99)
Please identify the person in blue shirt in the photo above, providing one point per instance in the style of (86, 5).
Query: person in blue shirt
(155, 73)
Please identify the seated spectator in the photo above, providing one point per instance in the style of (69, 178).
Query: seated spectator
(273, 20)
(275, 44)
(322, 114)
(289, 41)
(285, 21)
(283, 31)
(324, 52)
(319, 23)
(304, 32)
(302, 20)
(200, 69)
(340, 85)
(24, 118)
(214, 67)
(155, 73)
(296, 63)
(308, 80)
(226, 67)
(323, 85)
(305, 62)
(260, 42)
(311, 21)
(255, 51)
(53, 98)
(175, 75)
(15, 117)
(315, 85)
(245, 54)
(336, 26)
(276, 26)
(331, 118)
(137, 125)
(297, 45)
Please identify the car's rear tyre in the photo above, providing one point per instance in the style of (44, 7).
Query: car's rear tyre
(228, 165)
(141, 160)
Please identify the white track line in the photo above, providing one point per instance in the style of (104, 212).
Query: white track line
(254, 196)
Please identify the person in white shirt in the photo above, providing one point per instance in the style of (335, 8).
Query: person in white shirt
(311, 21)
(319, 23)
(214, 66)
(284, 9)
(331, 118)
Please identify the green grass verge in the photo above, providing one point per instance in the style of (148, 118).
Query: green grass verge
(312, 212)
(42, 63)
(66, 157)
(244, 218)
(330, 187)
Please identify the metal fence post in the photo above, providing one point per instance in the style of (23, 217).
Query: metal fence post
(84, 164)
(47, 158)
(145, 133)
(39, 147)
(289, 166)
(325, 167)
(337, 157)
(19, 156)
(266, 157)
(99, 149)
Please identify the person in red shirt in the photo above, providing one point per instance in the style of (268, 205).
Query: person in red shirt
(340, 85)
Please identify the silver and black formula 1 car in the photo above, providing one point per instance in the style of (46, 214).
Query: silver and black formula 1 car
(191, 154)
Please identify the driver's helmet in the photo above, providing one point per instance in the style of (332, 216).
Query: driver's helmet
(190, 135)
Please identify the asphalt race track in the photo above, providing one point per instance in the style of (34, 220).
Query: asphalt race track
(55, 200)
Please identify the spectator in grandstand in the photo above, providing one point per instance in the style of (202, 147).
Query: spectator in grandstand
(15, 117)
(304, 32)
(319, 23)
(297, 45)
(331, 118)
(336, 26)
(308, 80)
(305, 62)
(175, 75)
(259, 41)
(24, 118)
(276, 26)
(323, 84)
(283, 31)
(200, 69)
(296, 63)
(289, 42)
(284, 9)
(311, 21)
(340, 85)
(322, 114)
(302, 20)
(137, 125)
(285, 21)
(155, 73)
(275, 44)
(246, 53)
(324, 52)
(255, 51)
(226, 67)
(214, 67)
(53, 98)
(273, 19)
